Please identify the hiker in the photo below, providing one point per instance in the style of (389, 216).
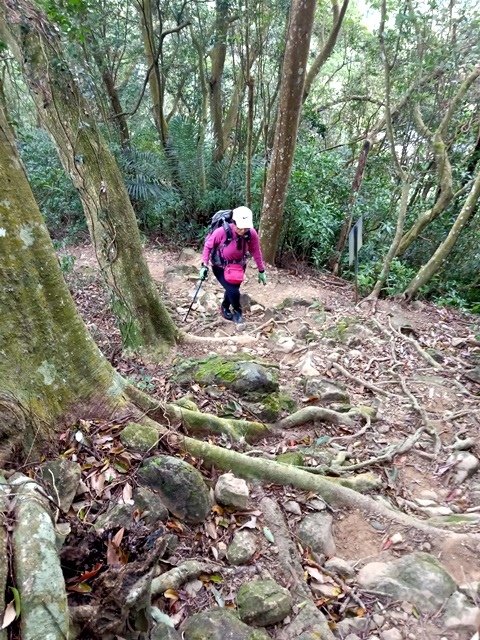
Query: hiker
(228, 256)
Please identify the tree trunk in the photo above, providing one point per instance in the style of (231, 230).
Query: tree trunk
(289, 108)
(248, 150)
(156, 80)
(327, 48)
(118, 115)
(444, 169)
(50, 367)
(334, 262)
(218, 55)
(438, 259)
(143, 319)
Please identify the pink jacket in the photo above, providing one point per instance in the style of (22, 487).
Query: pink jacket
(230, 252)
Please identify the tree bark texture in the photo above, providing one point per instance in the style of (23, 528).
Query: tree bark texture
(218, 55)
(144, 320)
(289, 108)
(50, 366)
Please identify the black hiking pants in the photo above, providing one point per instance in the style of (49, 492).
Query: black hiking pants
(232, 291)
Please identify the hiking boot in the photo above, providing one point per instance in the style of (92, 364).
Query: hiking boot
(237, 317)
(226, 313)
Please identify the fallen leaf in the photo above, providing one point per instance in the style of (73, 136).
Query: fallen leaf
(82, 587)
(127, 493)
(171, 594)
(268, 535)
(211, 530)
(86, 575)
(9, 615)
(315, 574)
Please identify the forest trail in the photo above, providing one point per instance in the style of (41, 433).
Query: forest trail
(403, 362)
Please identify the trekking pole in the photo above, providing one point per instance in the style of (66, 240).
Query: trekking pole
(193, 300)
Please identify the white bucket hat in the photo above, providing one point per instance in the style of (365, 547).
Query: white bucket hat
(243, 217)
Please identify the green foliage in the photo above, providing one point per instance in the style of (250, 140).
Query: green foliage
(399, 276)
(316, 202)
(53, 190)
(67, 262)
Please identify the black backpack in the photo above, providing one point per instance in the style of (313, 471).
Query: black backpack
(223, 218)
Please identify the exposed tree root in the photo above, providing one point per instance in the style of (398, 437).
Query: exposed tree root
(185, 572)
(190, 338)
(331, 489)
(315, 415)
(291, 571)
(38, 574)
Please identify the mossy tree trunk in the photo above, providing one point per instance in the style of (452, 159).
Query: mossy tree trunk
(289, 108)
(50, 367)
(143, 319)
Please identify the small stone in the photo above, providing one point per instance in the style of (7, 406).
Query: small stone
(293, 507)
(340, 566)
(263, 602)
(243, 548)
(466, 464)
(232, 491)
(139, 437)
(315, 531)
(391, 634)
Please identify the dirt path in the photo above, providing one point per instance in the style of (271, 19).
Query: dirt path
(310, 327)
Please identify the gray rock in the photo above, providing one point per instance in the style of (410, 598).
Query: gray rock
(139, 437)
(315, 531)
(147, 506)
(243, 547)
(391, 634)
(466, 464)
(232, 491)
(326, 391)
(473, 374)
(62, 478)
(340, 566)
(180, 486)
(417, 577)
(239, 373)
(162, 631)
(309, 624)
(218, 624)
(263, 602)
(461, 614)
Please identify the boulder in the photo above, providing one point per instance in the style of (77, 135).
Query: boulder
(417, 578)
(239, 373)
(180, 486)
(145, 505)
(263, 602)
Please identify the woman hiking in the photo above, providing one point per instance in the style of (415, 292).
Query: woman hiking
(227, 248)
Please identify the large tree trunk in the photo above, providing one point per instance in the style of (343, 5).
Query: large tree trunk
(289, 108)
(50, 367)
(436, 262)
(143, 319)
